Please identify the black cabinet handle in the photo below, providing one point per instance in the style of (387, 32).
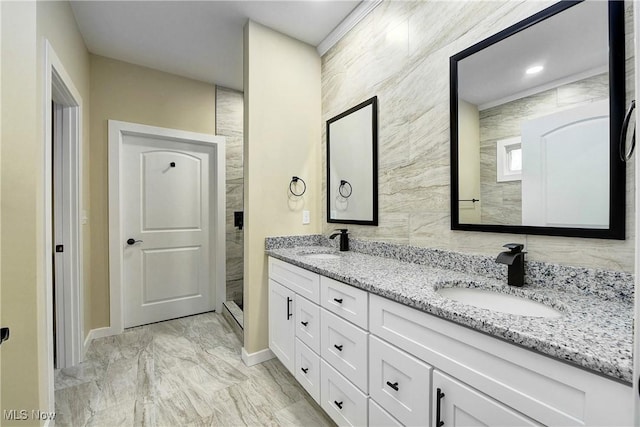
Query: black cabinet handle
(4, 334)
(339, 347)
(338, 404)
(289, 314)
(305, 370)
(439, 395)
(305, 323)
(393, 385)
(338, 300)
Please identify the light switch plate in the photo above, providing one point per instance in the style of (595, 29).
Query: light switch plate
(306, 217)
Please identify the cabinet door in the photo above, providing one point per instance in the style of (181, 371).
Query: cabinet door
(282, 323)
(462, 405)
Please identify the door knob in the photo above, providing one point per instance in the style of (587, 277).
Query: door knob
(4, 334)
(133, 241)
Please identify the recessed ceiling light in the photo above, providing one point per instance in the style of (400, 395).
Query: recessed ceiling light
(535, 69)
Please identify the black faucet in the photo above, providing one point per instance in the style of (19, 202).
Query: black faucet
(344, 238)
(514, 259)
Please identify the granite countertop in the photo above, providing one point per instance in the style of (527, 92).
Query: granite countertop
(593, 332)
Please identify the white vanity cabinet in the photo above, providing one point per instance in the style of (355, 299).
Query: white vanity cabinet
(371, 361)
(526, 383)
(317, 328)
(291, 313)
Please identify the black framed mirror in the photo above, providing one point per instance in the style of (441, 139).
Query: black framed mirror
(536, 115)
(352, 165)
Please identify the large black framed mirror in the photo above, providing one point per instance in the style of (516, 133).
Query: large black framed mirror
(352, 165)
(536, 115)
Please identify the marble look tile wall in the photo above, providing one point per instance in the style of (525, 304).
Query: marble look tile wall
(400, 52)
(229, 123)
(502, 201)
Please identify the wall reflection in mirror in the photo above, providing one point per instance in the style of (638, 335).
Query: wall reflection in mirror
(352, 165)
(536, 120)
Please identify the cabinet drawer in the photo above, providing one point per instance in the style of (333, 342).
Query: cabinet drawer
(346, 301)
(378, 417)
(297, 279)
(308, 323)
(308, 369)
(344, 346)
(344, 403)
(399, 382)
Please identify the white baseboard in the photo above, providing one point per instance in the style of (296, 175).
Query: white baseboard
(257, 357)
(97, 333)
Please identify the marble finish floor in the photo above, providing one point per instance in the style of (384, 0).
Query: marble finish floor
(185, 371)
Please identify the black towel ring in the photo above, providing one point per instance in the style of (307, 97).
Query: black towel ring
(294, 180)
(625, 155)
(342, 189)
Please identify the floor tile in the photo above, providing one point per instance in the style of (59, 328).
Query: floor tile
(185, 371)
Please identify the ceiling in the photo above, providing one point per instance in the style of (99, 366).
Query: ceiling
(560, 44)
(202, 40)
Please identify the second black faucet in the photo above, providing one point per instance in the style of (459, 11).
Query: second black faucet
(514, 259)
(344, 238)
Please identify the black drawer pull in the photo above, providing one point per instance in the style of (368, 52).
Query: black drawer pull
(339, 347)
(393, 385)
(305, 323)
(439, 396)
(305, 370)
(289, 313)
(338, 404)
(338, 300)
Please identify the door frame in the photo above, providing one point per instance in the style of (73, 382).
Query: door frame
(636, 341)
(59, 87)
(117, 130)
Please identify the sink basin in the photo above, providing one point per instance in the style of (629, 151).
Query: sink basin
(497, 301)
(321, 256)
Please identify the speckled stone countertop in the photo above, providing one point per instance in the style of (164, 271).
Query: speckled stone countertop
(594, 332)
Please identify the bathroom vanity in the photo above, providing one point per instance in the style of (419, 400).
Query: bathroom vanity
(374, 341)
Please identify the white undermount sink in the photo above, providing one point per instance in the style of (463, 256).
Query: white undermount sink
(321, 255)
(497, 301)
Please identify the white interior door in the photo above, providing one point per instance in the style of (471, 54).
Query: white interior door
(565, 168)
(166, 224)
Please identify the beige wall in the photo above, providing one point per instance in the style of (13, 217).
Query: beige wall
(130, 93)
(281, 139)
(400, 52)
(21, 171)
(25, 369)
